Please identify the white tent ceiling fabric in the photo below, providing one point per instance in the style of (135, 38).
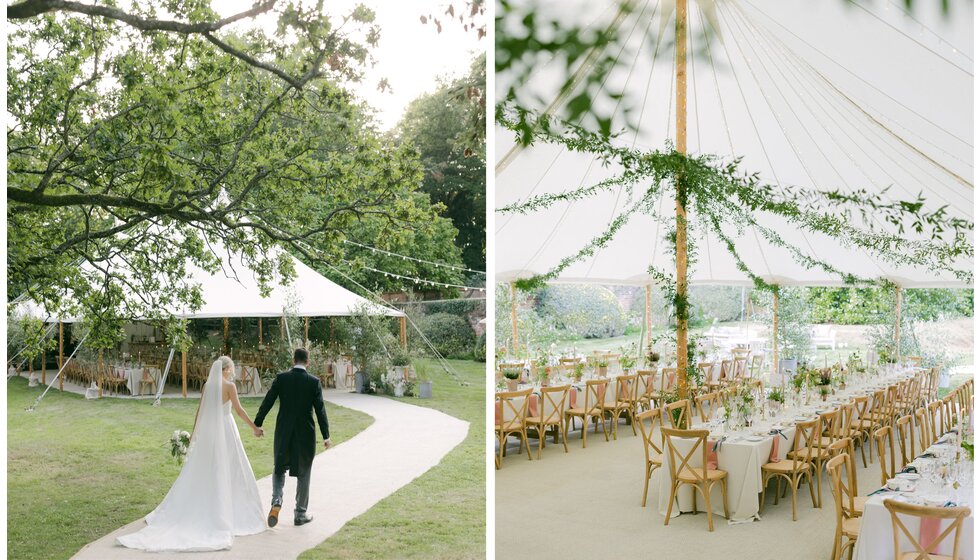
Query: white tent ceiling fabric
(809, 94)
(234, 292)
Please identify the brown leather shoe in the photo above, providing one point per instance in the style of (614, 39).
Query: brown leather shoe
(274, 515)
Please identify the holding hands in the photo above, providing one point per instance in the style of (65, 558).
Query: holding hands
(259, 432)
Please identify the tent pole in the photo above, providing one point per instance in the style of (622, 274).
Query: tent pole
(183, 373)
(775, 333)
(306, 333)
(898, 324)
(648, 321)
(61, 354)
(513, 317)
(44, 367)
(680, 247)
(403, 332)
(226, 336)
(260, 331)
(98, 373)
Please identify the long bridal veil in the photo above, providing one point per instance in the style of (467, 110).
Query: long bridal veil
(198, 512)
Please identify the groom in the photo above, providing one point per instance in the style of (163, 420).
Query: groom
(300, 394)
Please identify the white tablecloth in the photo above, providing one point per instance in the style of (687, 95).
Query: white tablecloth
(134, 375)
(340, 374)
(876, 542)
(742, 460)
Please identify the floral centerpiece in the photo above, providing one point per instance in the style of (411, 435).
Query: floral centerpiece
(180, 441)
(542, 367)
(627, 357)
(579, 371)
(739, 406)
(512, 376)
(600, 367)
(652, 357)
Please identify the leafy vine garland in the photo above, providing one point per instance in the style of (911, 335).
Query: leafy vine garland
(720, 194)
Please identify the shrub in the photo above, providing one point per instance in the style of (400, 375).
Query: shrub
(451, 335)
(480, 350)
(588, 311)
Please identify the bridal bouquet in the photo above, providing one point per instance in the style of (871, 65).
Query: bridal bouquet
(179, 442)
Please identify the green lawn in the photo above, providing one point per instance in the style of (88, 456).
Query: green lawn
(77, 469)
(441, 514)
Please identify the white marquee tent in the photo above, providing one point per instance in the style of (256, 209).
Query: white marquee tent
(234, 292)
(816, 94)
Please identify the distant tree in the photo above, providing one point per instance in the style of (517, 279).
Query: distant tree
(441, 126)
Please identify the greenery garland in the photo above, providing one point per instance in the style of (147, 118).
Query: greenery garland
(720, 194)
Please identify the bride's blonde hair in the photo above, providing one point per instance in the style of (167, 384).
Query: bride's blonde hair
(227, 363)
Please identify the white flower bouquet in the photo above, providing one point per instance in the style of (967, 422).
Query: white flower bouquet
(180, 440)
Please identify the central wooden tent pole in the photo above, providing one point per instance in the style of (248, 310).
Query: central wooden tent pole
(898, 324)
(183, 373)
(680, 247)
(306, 332)
(403, 331)
(775, 333)
(648, 321)
(61, 354)
(226, 336)
(513, 317)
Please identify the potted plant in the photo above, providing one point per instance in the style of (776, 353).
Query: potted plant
(511, 376)
(652, 358)
(601, 366)
(401, 362)
(579, 371)
(541, 369)
(627, 360)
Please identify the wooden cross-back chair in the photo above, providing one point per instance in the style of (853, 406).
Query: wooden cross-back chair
(739, 367)
(707, 374)
(706, 405)
(755, 366)
(906, 439)
(622, 401)
(799, 463)
(700, 478)
(855, 504)
(513, 413)
(595, 390)
(684, 417)
(668, 379)
(885, 442)
(147, 380)
(725, 374)
(922, 428)
(896, 508)
(934, 420)
(848, 525)
(651, 427)
(647, 391)
(550, 415)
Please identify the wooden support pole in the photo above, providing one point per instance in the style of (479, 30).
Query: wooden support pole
(183, 373)
(403, 332)
(680, 247)
(226, 336)
(61, 354)
(260, 331)
(648, 318)
(513, 317)
(898, 324)
(775, 334)
(306, 333)
(98, 372)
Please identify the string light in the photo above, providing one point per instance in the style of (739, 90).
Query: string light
(407, 258)
(422, 281)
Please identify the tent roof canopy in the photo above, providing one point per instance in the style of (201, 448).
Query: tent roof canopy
(807, 94)
(234, 292)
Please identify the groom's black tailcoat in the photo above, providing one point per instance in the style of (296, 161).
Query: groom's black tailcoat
(300, 396)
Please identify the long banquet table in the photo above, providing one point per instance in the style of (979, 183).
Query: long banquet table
(743, 452)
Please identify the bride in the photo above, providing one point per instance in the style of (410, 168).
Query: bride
(215, 496)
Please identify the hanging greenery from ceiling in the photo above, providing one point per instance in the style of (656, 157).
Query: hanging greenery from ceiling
(721, 199)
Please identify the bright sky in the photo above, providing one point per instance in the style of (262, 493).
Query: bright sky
(410, 55)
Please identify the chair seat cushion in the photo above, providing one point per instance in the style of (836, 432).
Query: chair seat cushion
(688, 474)
(538, 420)
(786, 465)
(816, 453)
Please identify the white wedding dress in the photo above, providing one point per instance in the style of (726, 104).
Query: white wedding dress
(215, 497)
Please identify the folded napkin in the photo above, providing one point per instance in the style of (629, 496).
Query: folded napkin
(775, 431)
(713, 447)
(882, 490)
(927, 456)
(910, 469)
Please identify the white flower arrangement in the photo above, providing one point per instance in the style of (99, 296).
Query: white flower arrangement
(180, 441)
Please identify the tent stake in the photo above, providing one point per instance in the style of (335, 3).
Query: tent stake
(61, 354)
(680, 247)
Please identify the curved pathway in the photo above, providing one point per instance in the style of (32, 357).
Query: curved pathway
(403, 443)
